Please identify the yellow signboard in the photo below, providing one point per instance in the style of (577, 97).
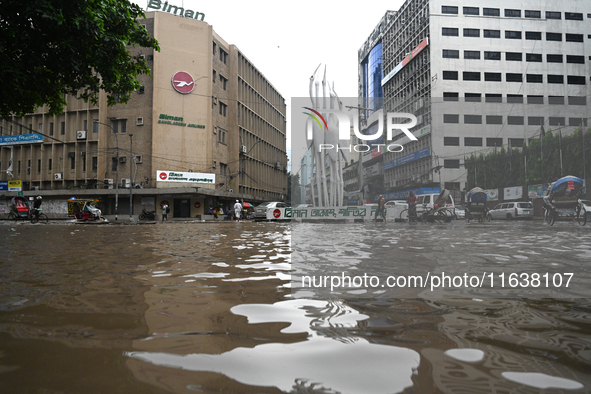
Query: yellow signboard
(15, 186)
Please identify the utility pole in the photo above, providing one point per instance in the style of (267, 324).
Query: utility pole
(131, 178)
(117, 171)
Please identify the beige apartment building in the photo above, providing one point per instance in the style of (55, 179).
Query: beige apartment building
(205, 128)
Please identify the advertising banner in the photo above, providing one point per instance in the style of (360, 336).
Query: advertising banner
(21, 139)
(537, 191)
(408, 158)
(188, 177)
(513, 193)
(15, 186)
(422, 45)
(3, 185)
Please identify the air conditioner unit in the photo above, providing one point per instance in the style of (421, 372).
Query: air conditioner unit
(139, 121)
(138, 159)
(231, 190)
(36, 188)
(108, 181)
(277, 165)
(126, 182)
(122, 159)
(108, 187)
(58, 175)
(215, 163)
(242, 148)
(81, 135)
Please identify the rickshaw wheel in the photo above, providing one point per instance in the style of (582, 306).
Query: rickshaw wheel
(43, 218)
(551, 217)
(582, 217)
(12, 216)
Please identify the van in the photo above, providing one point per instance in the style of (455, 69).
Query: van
(426, 201)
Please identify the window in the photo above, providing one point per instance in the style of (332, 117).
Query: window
(534, 78)
(492, 55)
(224, 82)
(554, 58)
(533, 14)
(535, 120)
(473, 97)
(577, 100)
(141, 90)
(472, 141)
(49, 164)
(451, 53)
(558, 79)
(446, 9)
(533, 35)
(574, 37)
(471, 76)
(85, 125)
(73, 162)
(491, 12)
(575, 80)
(63, 128)
(471, 11)
(94, 163)
(471, 32)
(119, 126)
(515, 120)
(223, 108)
(513, 34)
(513, 13)
(214, 47)
(514, 56)
(38, 166)
(494, 119)
(492, 77)
(450, 75)
(450, 31)
(491, 33)
(473, 119)
(223, 56)
(452, 185)
(556, 121)
(450, 96)
(516, 142)
(41, 127)
(553, 36)
(575, 122)
(510, 77)
(451, 141)
(553, 15)
(449, 118)
(451, 163)
(494, 142)
(84, 162)
(213, 77)
(535, 99)
(533, 57)
(515, 98)
(471, 54)
(573, 16)
(493, 98)
(114, 163)
(222, 136)
(575, 59)
(556, 100)
(51, 128)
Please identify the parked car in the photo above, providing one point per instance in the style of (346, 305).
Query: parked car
(460, 212)
(260, 211)
(512, 210)
(587, 205)
(393, 203)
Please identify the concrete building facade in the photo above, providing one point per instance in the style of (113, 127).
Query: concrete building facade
(205, 109)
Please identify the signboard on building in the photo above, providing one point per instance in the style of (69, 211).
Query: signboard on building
(423, 131)
(15, 186)
(425, 152)
(185, 177)
(512, 193)
(175, 10)
(21, 139)
(422, 45)
(373, 170)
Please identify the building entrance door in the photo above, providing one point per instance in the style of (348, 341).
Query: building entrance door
(182, 208)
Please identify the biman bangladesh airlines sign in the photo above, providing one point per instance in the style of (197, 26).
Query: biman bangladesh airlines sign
(173, 9)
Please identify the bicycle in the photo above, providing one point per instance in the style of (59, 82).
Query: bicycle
(33, 217)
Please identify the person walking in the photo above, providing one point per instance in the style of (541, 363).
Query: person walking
(381, 208)
(165, 211)
(238, 210)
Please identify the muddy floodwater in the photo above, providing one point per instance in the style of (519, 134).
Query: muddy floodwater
(189, 307)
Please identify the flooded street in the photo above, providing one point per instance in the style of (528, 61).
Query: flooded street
(189, 307)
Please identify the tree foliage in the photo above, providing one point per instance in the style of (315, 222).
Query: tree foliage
(536, 163)
(79, 47)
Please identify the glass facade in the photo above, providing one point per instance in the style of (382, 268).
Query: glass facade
(372, 78)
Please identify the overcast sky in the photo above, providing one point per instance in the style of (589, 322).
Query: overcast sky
(286, 41)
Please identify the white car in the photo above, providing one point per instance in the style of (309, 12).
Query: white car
(512, 210)
(587, 205)
(260, 211)
(460, 212)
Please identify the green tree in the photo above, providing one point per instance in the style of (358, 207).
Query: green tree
(79, 47)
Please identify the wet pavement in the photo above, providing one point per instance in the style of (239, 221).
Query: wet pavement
(187, 307)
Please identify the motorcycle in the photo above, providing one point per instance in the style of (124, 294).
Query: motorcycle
(150, 215)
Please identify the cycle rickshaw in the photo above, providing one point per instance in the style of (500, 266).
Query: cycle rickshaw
(440, 213)
(562, 201)
(475, 207)
(19, 210)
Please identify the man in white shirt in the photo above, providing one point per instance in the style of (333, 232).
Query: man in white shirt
(238, 210)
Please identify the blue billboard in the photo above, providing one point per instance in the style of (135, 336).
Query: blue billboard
(425, 152)
(21, 139)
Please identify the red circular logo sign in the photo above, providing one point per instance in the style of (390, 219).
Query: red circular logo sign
(183, 82)
(276, 213)
(163, 203)
(197, 204)
(163, 176)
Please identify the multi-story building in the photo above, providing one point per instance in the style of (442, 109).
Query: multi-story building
(205, 109)
(480, 76)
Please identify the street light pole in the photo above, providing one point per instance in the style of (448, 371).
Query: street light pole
(130, 177)
(116, 171)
